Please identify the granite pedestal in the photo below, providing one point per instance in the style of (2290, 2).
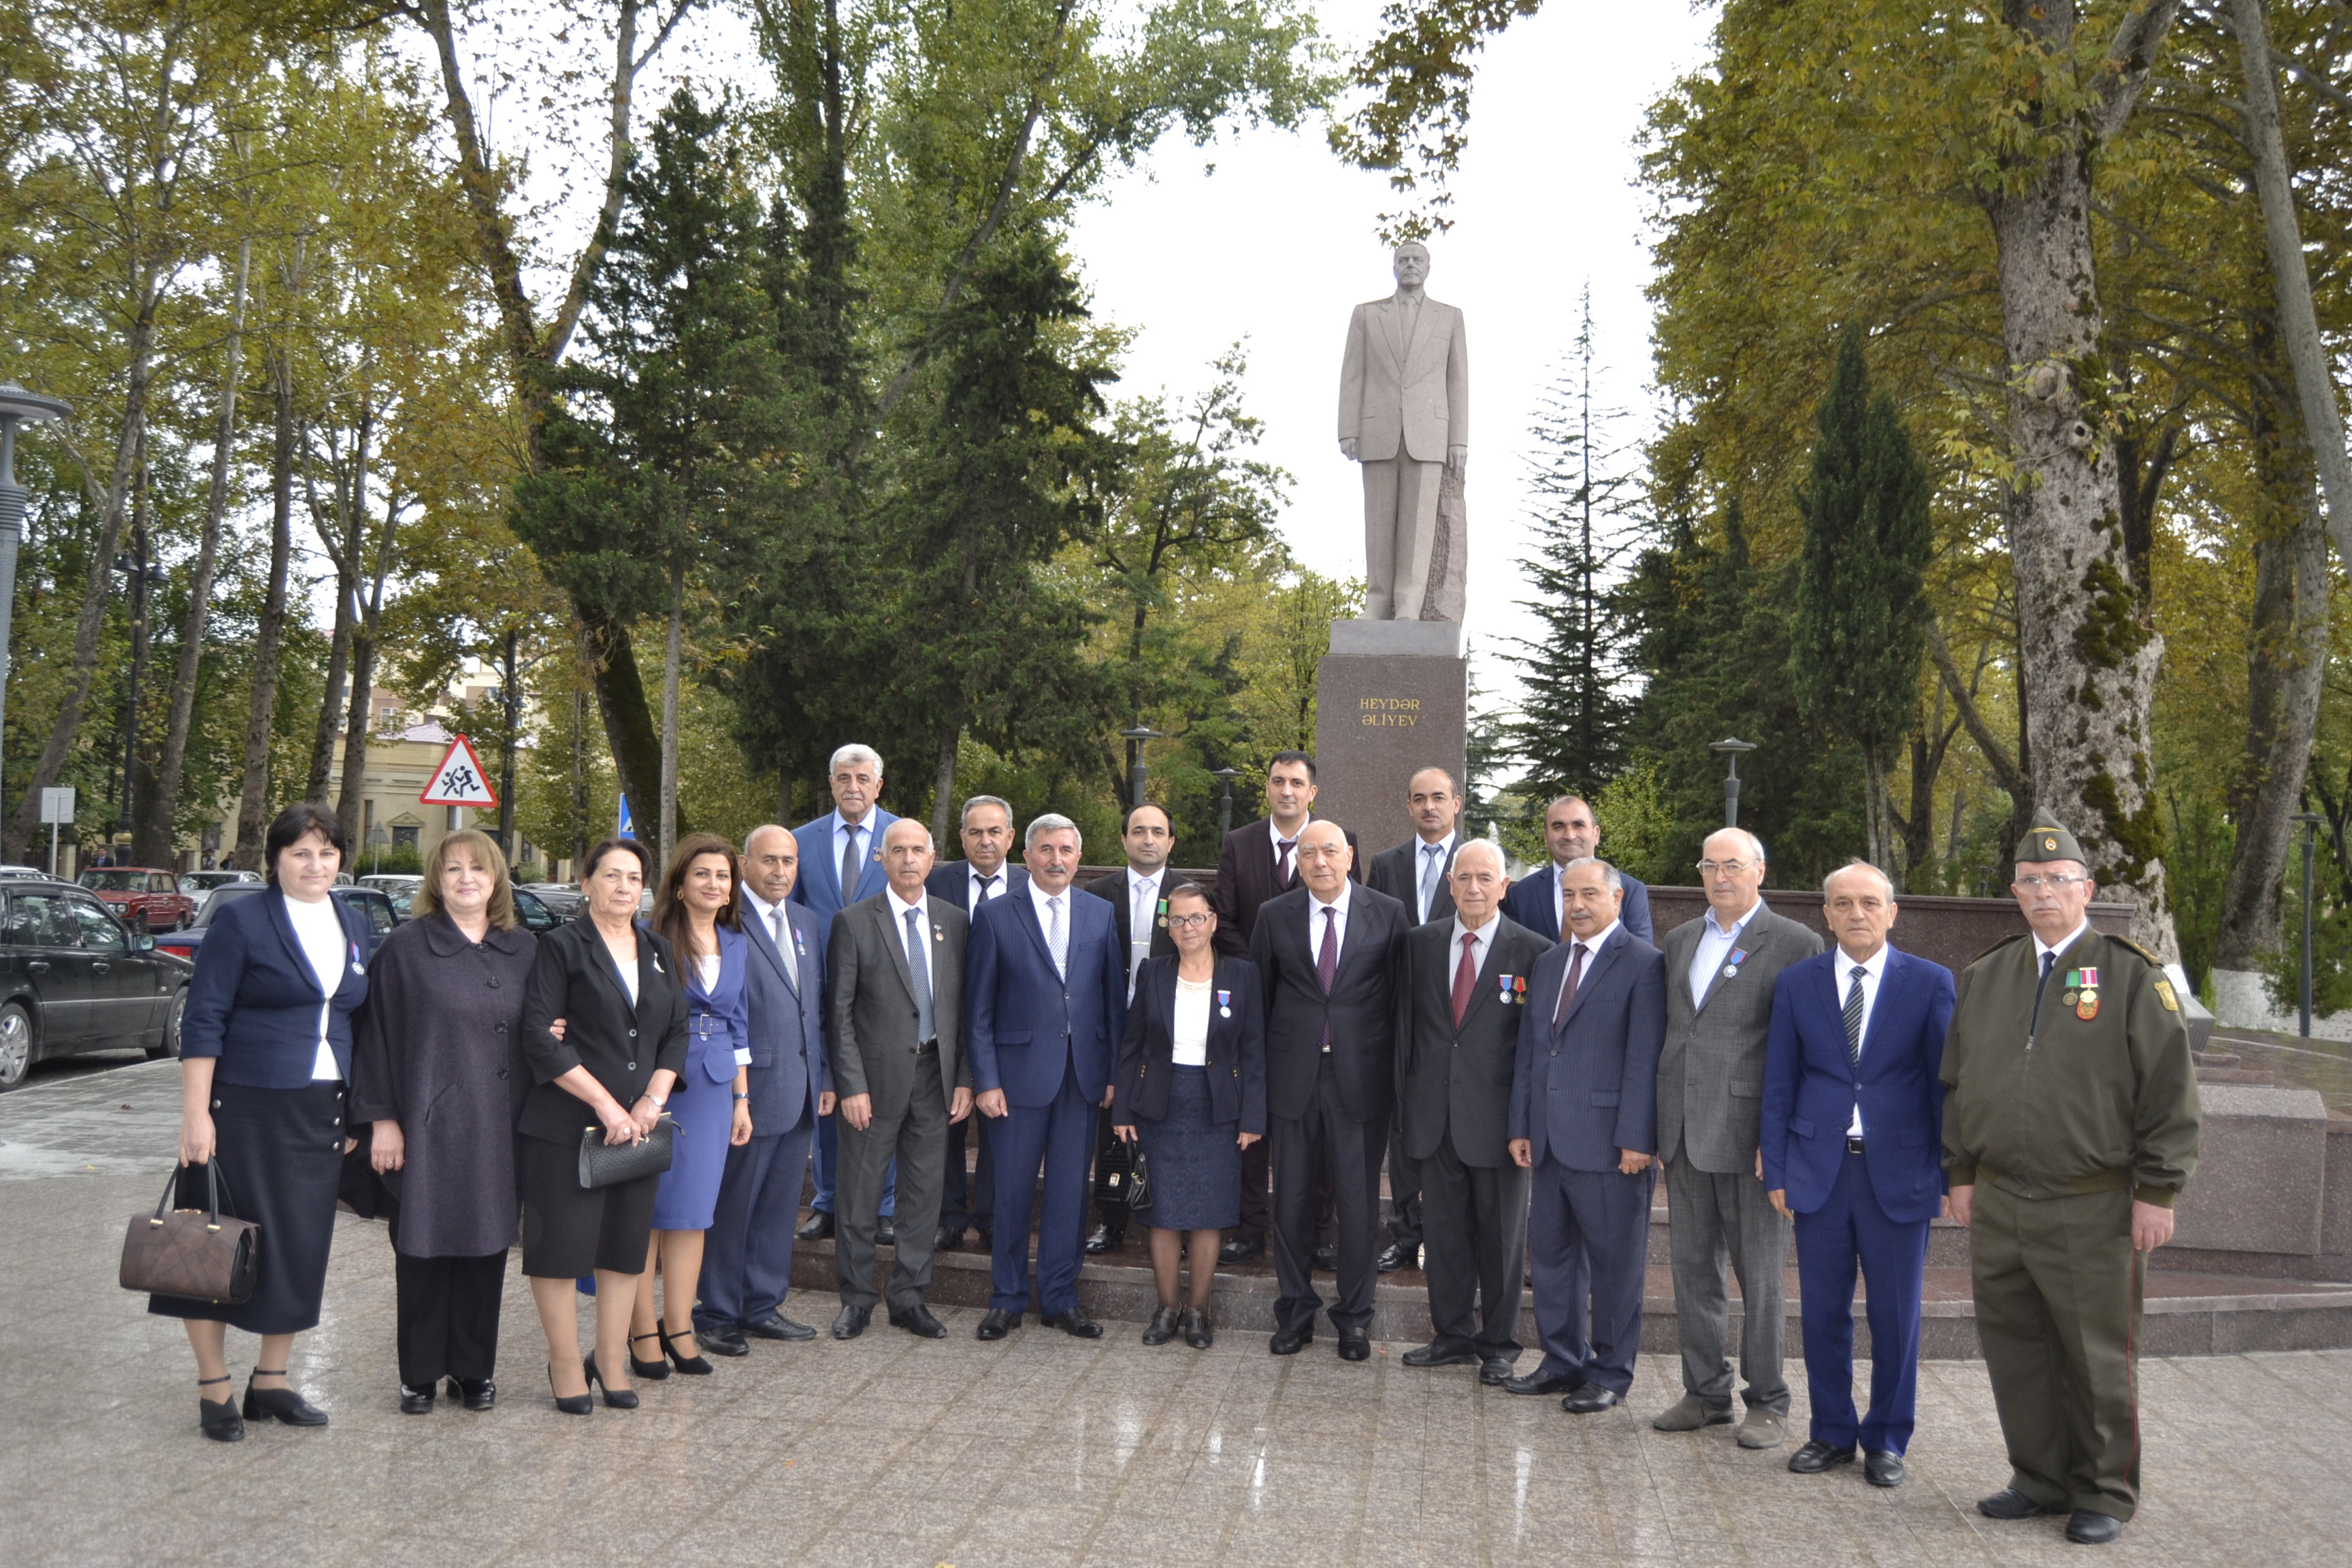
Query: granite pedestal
(1392, 698)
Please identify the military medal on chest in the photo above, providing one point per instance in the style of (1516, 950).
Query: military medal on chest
(1732, 968)
(2082, 993)
(1224, 998)
(1163, 914)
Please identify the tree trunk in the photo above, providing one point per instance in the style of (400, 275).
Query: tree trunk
(253, 794)
(137, 777)
(579, 783)
(163, 806)
(344, 530)
(672, 648)
(2081, 629)
(357, 727)
(943, 787)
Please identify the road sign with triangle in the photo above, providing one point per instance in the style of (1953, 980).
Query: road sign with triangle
(459, 779)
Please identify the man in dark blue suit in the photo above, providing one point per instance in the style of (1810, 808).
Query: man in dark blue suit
(1046, 1003)
(1584, 1115)
(747, 1263)
(1852, 1142)
(841, 863)
(968, 1202)
(1571, 834)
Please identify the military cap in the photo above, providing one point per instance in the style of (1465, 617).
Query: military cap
(2045, 840)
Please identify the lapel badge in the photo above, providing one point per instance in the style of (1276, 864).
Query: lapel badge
(2087, 1008)
(939, 933)
(2090, 979)
(1224, 1004)
(358, 968)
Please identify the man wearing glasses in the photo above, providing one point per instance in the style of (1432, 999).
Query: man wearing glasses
(2071, 1124)
(1720, 970)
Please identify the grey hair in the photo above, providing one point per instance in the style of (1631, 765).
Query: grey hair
(854, 753)
(1754, 845)
(763, 827)
(1608, 873)
(906, 822)
(1884, 879)
(1050, 822)
(1468, 844)
(963, 819)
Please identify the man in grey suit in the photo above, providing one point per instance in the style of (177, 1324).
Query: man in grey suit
(747, 1263)
(897, 990)
(1418, 874)
(1719, 973)
(1404, 414)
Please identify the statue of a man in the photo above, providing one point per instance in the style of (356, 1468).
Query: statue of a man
(1404, 414)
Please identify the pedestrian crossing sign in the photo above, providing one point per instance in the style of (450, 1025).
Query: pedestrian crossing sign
(459, 780)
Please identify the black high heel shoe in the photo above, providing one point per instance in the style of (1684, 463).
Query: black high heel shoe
(652, 1371)
(692, 1365)
(279, 1404)
(618, 1398)
(217, 1418)
(571, 1404)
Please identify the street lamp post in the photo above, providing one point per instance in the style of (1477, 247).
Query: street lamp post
(17, 406)
(1135, 739)
(2310, 821)
(1731, 748)
(1225, 800)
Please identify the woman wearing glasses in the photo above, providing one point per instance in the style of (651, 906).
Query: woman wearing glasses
(1192, 1089)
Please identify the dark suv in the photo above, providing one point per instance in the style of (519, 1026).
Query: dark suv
(73, 978)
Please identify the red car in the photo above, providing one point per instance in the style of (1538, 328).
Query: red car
(141, 893)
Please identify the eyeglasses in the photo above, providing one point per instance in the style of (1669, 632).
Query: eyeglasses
(2057, 882)
(1729, 868)
(1186, 922)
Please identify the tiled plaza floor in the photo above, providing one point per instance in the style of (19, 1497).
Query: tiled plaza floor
(1038, 1451)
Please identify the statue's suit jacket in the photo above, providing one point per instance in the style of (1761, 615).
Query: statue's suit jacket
(1711, 1073)
(1395, 395)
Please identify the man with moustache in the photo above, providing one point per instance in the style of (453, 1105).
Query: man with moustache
(1139, 896)
(1416, 873)
(1570, 834)
(970, 1202)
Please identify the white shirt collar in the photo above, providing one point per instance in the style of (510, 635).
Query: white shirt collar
(899, 907)
(1038, 895)
(1592, 945)
(1421, 846)
(1003, 874)
(760, 907)
(1736, 926)
(2040, 947)
(1275, 833)
(1340, 904)
(1874, 965)
(1136, 878)
(842, 825)
(1482, 936)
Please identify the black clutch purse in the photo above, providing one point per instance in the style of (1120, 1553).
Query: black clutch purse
(604, 1164)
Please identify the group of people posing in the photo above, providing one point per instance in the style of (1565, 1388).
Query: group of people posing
(835, 1005)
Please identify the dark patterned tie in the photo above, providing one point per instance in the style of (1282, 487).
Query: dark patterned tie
(1465, 977)
(1567, 991)
(1327, 961)
(1853, 1017)
(1284, 872)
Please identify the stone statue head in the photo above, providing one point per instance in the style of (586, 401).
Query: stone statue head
(1411, 264)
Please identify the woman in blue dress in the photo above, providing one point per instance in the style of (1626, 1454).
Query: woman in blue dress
(697, 912)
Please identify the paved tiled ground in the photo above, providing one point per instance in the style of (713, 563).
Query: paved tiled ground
(1039, 1451)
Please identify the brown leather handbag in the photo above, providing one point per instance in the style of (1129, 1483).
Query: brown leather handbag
(194, 1253)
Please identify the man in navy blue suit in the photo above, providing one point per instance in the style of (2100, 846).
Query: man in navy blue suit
(841, 863)
(1852, 1146)
(1584, 1115)
(1046, 1003)
(1570, 834)
(747, 1265)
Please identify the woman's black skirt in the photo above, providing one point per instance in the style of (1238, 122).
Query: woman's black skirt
(1196, 1165)
(280, 1152)
(569, 1231)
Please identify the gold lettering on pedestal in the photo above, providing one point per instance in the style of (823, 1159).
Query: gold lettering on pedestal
(1390, 712)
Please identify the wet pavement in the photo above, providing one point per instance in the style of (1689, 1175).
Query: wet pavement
(1037, 1451)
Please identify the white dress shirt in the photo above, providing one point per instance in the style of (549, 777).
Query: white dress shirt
(869, 841)
(1314, 923)
(1874, 969)
(1284, 864)
(1480, 941)
(1715, 950)
(320, 928)
(2041, 948)
(1591, 946)
(899, 908)
(1192, 1036)
(1142, 910)
(773, 921)
(1043, 900)
(979, 886)
(1424, 893)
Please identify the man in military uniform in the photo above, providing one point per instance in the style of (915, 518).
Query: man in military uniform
(2071, 1124)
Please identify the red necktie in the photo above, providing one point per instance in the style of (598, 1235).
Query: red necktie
(1326, 961)
(1567, 992)
(1466, 978)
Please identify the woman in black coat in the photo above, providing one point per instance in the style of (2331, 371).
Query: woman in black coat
(436, 1069)
(615, 988)
(1192, 1088)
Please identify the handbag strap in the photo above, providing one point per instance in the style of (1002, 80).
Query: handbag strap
(214, 1181)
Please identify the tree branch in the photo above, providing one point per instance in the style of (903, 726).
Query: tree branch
(2130, 57)
(1996, 755)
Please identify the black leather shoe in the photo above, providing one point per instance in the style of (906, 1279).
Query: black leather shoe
(1399, 1255)
(722, 1339)
(2010, 1503)
(2088, 1528)
(1589, 1399)
(1162, 1327)
(946, 1240)
(1355, 1345)
(1441, 1352)
(1292, 1340)
(1326, 1260)
(618, 1398)
(1495, 1371)
(280, 1404)
(851, 1322)
(1197, 1333)
(818, 1227)
(776, 1326)
(885, 1232)
(1241, 1249)
(985, 1242)
(1100, 1240)
(416, 1401)
(1540, 1382)
(217, 1418)
(1882, 1467)
(997, 1324)
(1816, 1456)
(917, 1321)
(1074, 1322)
(478, 1393)
(652, 1371)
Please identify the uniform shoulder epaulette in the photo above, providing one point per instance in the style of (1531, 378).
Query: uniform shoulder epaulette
(2153, 961)
(1996, 947)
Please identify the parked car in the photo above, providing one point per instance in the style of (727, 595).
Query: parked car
(141, 895)
(19, 872)
(196, 884)
(534, 914)
(563, 898)
(75, 978)
(390, 881)
(382, 916)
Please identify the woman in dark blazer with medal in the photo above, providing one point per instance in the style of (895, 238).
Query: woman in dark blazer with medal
(615, 988)
(265, 1053)
(1190, 1086)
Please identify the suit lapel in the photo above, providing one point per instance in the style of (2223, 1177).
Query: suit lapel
(1890, 981)
(1390, 332)
(1594, 971)
(755, 931)
(283, 923)
(1027, 915)
(1753, 938)
(885, 917)
(1483, 989)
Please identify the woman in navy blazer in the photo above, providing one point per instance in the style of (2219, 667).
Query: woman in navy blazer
(265, 1053)
(1193, 1118)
